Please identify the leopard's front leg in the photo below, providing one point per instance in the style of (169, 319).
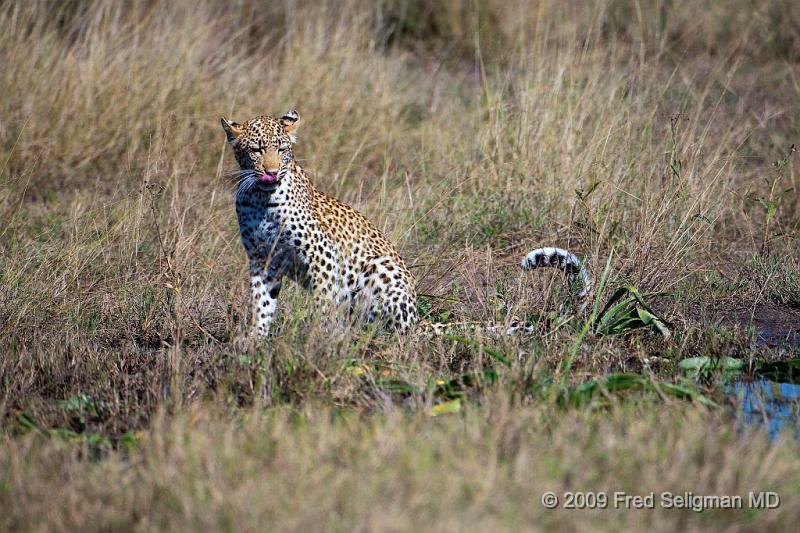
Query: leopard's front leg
(265, 284)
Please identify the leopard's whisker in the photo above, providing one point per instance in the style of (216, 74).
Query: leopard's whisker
(246, 183)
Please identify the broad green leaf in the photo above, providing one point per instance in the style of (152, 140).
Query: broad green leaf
(709, 363)
(452, 406)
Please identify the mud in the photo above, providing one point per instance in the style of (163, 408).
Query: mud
(775, 326)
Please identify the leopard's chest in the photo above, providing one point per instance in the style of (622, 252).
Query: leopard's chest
(273, 228)
(282, 231)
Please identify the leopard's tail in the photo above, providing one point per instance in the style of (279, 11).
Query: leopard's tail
(563, 260)
(559, 258)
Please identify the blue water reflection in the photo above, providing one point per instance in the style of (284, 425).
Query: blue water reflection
(773, 404)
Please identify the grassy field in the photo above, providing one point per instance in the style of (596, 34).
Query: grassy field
(651, 138)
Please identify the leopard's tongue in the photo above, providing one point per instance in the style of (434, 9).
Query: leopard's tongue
(268, 178)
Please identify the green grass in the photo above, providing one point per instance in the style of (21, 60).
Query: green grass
(470, 133)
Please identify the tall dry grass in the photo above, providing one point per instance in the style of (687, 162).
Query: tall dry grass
(470, 132)
(484, 470)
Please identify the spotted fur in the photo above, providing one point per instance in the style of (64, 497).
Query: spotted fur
(289, 228)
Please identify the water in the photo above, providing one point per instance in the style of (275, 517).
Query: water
(772, 404)
(770, 397)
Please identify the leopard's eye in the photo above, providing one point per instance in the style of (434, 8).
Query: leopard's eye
(283, 148)
(257, 149)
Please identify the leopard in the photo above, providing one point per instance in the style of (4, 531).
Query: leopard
(290, 229)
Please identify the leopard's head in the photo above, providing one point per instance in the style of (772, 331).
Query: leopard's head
(263, 148)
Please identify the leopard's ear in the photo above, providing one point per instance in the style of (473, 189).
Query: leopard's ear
(232, 129)
(289, 121)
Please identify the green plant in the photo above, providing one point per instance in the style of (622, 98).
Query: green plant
(80, 406)
(627, 311)
(772, 201)
(617, 384)
(704, 366)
